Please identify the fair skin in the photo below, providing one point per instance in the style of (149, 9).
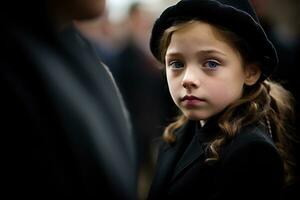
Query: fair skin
(205, 73)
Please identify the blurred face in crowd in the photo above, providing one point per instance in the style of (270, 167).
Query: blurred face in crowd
(64, 11)
(85, 9)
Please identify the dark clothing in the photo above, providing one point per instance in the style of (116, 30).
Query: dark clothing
(65, 131)
(250, 166)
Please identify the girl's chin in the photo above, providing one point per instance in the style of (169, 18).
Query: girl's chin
(195, 116)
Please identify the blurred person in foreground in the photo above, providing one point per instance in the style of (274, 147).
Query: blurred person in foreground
(65, 132)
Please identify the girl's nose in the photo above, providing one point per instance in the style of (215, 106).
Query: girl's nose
(190, 80)
(188, 84)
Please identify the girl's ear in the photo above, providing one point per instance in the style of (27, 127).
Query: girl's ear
(252, 74)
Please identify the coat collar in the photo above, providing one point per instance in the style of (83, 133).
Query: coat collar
(197, 146)
(168, 155)
(189, 146)
(193, 151)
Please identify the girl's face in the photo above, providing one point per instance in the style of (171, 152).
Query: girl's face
(205, 73)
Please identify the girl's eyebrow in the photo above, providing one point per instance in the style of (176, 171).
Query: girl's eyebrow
(208, 51)
(211, 51)
(173, 54)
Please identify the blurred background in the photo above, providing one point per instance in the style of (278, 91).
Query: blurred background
(121, 39)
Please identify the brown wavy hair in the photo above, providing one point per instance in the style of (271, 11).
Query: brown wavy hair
(265, 102)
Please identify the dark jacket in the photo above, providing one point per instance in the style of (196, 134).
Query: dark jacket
(250, 166)
(65, 132)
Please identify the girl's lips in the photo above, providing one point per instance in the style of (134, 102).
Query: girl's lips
(190, 98)
(191, 101)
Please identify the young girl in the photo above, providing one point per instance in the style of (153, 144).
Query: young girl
(231, 140)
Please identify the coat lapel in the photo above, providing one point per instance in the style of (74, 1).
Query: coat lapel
(174, 159)
(192, 153)
(196, 148)
(168, 156)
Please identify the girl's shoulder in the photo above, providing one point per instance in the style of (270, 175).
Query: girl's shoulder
(255, 133)
(251, 141)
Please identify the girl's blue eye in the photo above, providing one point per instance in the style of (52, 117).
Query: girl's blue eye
(176, 64)
(211, 64)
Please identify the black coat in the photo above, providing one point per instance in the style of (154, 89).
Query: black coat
(250, 166)
(65, 131)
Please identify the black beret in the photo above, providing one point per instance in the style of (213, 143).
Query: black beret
(237, 16)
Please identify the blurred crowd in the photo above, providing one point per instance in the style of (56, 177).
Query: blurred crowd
(124, 48)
